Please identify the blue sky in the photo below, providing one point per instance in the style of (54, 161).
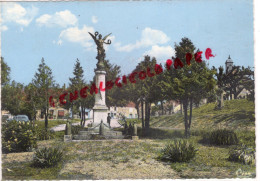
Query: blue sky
(58, 31)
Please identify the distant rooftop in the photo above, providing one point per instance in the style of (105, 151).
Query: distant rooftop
(229, 60)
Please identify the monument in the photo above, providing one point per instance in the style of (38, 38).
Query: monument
(100, 109)
(100, 128)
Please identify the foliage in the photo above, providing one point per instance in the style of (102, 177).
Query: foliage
(43, 82)
(13, 98)
(43, 134)
(5, 72)
(242, 154)
(178, 151)
(221, 137)
(17, 137)
(75, 129)
(47, 157)
(114, 96)
(188, 84)
(76, 83)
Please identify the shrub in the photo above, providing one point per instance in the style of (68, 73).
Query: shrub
(242, 154)
(47, 157)
(178, 151)
(43, 134)
(221, 137)
(75, 129)
(17, 137)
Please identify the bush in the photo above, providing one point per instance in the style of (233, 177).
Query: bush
(43, 134)
(17, 137)
(242, 154)
(178, 151)
(221, 137)
(47, 157)
(75, 129)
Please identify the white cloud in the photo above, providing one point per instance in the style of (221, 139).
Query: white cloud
(63, 18)
(80, 36)
(161, 53)
(94, 19)
(14, 12)
(149, 37)
(3, 28)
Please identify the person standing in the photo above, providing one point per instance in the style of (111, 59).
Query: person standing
(108, 119)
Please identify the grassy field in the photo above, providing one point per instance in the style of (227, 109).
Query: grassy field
(236, 114)
(127, 159)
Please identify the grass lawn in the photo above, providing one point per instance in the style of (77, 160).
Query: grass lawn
(239, 113)
(127, 159)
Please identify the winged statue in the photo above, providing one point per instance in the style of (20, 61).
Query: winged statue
(100, 42)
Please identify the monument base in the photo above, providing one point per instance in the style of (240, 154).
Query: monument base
(100, 113)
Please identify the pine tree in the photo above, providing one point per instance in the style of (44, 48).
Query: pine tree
(44, 82)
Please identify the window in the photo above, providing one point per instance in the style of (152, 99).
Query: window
(60, 113)
(51, 114)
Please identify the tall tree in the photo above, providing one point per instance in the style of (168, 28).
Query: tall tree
(76, 83)
(190, 83)
(43, 81)
(237, 79)
(113, 95)
(13, 98)
(147, 89)
(5, 72)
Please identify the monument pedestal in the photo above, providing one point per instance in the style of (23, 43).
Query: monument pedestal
(100, 113)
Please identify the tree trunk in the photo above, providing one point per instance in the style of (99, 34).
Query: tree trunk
(84, 116)
(181, 107)
(142, 112)
(81, 121)
(72, 111)
(162, 107)
(185, 109)
(146, 117)
(46, 119)
(137, 109)
(190, 117)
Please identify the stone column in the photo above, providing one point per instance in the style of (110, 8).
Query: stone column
(100, 109)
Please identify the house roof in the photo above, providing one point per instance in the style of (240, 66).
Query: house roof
(130, 104)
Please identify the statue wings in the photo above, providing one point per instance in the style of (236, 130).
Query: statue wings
(106, 36)
(94, 38)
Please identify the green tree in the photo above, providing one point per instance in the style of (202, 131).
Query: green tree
(43, 81)
(76, 84)
(5, 72)
(238, 79)
(147, 89)
(113, 95)
(13, 98)
(190, 83)
(31, 101)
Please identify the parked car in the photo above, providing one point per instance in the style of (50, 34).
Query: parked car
(21, 118)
